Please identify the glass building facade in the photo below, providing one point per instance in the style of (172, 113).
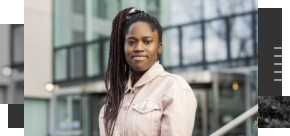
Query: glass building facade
(198, 35)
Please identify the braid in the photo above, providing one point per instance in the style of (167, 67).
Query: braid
(118, 70)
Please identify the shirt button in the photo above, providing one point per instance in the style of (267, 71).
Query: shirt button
(125, 108)
(133, 91)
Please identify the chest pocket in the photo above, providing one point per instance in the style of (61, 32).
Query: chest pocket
(147, 117)
(147, 106)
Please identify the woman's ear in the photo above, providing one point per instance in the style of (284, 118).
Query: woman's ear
(159, 48)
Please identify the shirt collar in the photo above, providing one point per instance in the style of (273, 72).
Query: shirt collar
(149, 75)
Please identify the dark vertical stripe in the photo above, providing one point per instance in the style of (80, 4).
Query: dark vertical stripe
(15, 115)
(273, 28)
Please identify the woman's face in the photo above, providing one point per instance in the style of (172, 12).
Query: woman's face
(141, 46)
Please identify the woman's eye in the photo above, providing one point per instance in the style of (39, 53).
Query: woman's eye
(130, 42)
(147, 42)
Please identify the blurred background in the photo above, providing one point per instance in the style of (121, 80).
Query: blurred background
(11, 63)
(211, 43)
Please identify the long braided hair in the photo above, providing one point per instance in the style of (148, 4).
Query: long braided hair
(118, 70)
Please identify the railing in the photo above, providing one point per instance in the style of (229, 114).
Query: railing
(240, 119)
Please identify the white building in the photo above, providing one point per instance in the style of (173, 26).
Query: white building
(38, 66)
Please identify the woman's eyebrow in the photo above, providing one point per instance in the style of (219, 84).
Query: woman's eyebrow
(144, 37)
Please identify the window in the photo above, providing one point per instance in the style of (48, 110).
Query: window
(3, 94)
(68, 17)
(60, 65)
(216, 48)
(93, 64)
(19, 92)
(76, 62)
(152, 8)
(78, 6)
(192, 44)
(170, 49)
(77, 36)
(17, 46)
(241, 37)
(100, 8)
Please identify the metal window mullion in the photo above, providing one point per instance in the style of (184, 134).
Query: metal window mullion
(228, 40)
(68, 63)
(53, 47)
(101, 58)
(12, 45)
(84, 76)
(254, 22)
(180, 46)
(204, 66)
(84, 61)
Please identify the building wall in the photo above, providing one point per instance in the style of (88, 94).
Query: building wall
(38, 48)
(36, 117)
(38, 65)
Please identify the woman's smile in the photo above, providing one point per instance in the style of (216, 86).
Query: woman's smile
(139, 58)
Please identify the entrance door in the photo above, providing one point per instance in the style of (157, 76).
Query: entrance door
(68, 115)
(97, 100)
(219, 102)
(200, 126)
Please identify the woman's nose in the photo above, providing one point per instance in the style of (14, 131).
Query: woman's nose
(139, 47)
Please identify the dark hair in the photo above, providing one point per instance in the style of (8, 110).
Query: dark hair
(118, 70)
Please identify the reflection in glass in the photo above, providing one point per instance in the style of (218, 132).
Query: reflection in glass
(241, 37)
(76, 62)
(68, 117)
(100, 8)
(93, 62)
(78, 6)
(96, 103)
(218, 8)
(18, 44)
(61, 114)
(106, 54)
(76, 112)
(68, 18)
(170, 48)
(215, 43)
(232, 101)
(99, 17)
(192, 44)
(185, 11)
(60, 65)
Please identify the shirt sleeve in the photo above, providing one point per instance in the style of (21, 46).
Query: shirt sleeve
(179, 113)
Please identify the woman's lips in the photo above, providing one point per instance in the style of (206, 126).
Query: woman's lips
(139, 58)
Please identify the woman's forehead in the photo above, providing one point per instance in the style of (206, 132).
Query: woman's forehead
(142, 29)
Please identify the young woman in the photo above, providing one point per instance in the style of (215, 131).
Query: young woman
(142, 98)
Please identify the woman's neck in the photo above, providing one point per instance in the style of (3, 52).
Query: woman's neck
(136, 76)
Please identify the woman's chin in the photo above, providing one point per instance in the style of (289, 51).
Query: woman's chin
(139, 68)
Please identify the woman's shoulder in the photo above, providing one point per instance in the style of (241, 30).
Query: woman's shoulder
(178, 81)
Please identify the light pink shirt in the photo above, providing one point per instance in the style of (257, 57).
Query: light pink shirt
(159, 104)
